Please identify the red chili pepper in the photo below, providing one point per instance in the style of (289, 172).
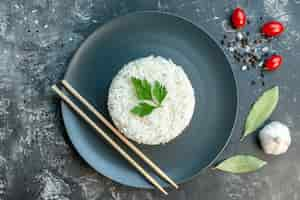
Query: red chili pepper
(273, 62)
(238, 18)
(272, 28)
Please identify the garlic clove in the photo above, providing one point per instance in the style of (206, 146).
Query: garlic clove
(275, 138)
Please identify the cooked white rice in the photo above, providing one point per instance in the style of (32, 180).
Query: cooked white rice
(164, 123)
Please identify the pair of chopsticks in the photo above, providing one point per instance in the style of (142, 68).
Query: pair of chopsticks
(117, 147)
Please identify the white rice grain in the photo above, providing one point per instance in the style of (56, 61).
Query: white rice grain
(165, 122)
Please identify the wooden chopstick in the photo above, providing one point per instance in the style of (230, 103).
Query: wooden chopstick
(69, 102)
(119, 134)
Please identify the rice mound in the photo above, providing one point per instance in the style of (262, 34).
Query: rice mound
(164, 123)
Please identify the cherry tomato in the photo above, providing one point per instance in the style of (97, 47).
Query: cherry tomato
(273, 62)
(272, 28)
(238, 18)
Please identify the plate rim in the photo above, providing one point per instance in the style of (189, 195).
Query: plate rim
(201, 28)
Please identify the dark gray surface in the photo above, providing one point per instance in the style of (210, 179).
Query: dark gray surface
(38, 37)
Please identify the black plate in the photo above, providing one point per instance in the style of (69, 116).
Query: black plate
(141, 34)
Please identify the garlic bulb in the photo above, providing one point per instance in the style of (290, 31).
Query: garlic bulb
(275, 138)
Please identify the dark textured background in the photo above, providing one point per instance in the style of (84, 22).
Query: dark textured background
(37, 39)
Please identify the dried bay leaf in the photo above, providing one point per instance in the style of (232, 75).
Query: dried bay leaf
(261, 110)
(241, 164)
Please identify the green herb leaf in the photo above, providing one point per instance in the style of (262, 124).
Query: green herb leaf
(142, 89)
(159, 92)
(142, 109)
(145, 92)
(261, 110)
(241, 164)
